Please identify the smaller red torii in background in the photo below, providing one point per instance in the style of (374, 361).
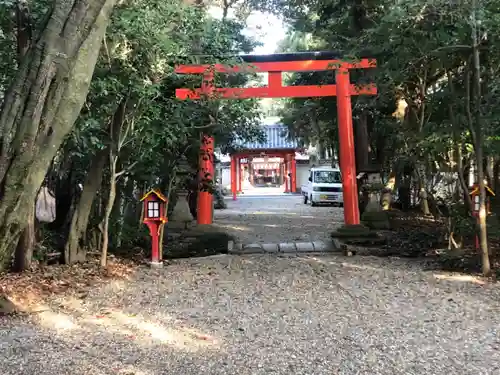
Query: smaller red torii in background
(275, 65)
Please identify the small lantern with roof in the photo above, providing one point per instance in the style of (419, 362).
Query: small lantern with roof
(474, 195)
(155, 216)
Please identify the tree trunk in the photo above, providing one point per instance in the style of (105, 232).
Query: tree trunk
(422, 188)
(496, 174)
(42, 104)
(458, 147)
(109, 207)
(119, 210)
(478, 146)
(73, 250)
(115, 144)
(26, 244)
(362, 143)
(386, 196)
(461, 179)
(132, 212)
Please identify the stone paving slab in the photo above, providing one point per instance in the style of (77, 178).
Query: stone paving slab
(253, 248)
(287, 247)
(305, 247)
(270, 247)
(283, 248)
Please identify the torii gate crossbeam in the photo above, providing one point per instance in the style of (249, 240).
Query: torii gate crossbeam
(275, 65)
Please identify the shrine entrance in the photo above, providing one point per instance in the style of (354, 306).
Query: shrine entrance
(275, 65)
(259, 165)
(274, 169)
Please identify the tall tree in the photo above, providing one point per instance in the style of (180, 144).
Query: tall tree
(42, 104)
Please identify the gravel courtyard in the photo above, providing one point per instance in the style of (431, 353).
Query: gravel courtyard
(265, 315)
(277, 218)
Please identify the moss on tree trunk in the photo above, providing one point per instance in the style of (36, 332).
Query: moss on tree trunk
(42, 105)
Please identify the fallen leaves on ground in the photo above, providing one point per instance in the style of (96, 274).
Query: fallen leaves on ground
(413, 235)
(28, 292)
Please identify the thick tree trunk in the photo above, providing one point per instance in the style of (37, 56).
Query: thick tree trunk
(73, 251)
(362, 143)
(42, 105)
(479, 142)
(26, 244)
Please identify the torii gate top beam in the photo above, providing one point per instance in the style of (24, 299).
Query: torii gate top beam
(275, 65)
(281, 62)
(291, 56)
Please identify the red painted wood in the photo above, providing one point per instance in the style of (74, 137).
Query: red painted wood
(233, 176)
(293, 179)
(282, 66)
(274, 92)
(275, 79)
(346, 145)
(285, 172)
(238, 175)
(154, 227)
(205, 198)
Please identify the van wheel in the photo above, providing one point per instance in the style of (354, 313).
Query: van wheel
(313, 204)
(305, 199)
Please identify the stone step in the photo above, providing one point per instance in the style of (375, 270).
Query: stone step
(284, 247)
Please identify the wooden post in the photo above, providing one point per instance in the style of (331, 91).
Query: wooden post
(239, 175)
(233, 177)
(285, 173)
(205, 198)
(346, 143)
(293, 179)
(250, 170)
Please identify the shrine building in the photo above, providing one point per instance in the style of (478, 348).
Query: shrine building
(278, 162)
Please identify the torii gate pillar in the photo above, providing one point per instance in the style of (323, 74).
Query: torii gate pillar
(346, 145)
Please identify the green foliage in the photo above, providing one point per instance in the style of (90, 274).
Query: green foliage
(144, 43)
(416, 44)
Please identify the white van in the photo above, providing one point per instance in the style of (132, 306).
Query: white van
(324, 186)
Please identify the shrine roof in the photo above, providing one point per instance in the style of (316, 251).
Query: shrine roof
(276, 139)
(155, 192)
(291, 56)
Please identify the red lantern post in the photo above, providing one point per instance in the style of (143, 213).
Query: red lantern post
(155, 216)
(474, 195)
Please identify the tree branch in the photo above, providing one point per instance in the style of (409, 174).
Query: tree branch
(125, 170)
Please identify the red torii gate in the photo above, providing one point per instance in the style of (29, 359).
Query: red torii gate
(275, 65)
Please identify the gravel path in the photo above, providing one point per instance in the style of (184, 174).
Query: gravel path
(265, 315)
(275, 219)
